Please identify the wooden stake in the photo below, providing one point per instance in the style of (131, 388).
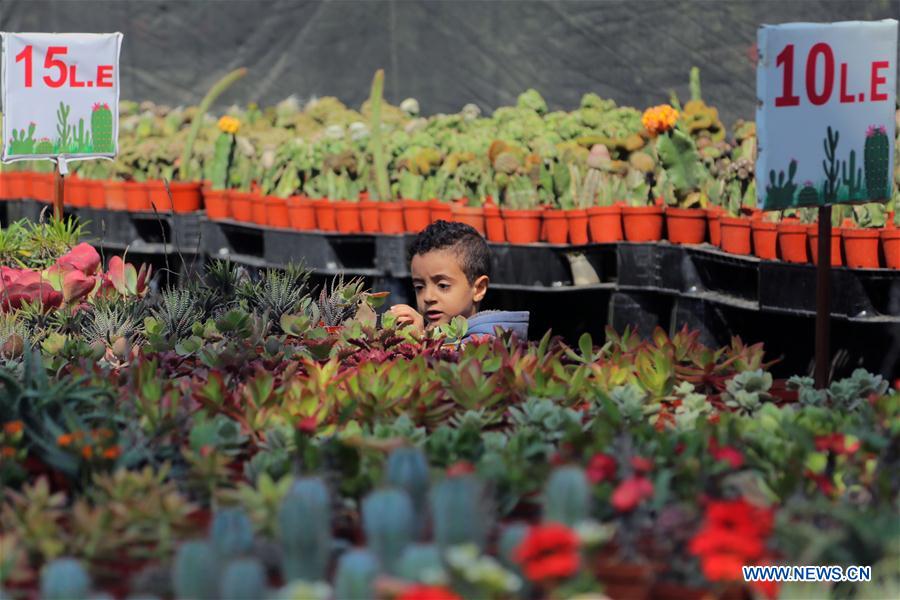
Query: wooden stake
(823, 299)
(59, 189)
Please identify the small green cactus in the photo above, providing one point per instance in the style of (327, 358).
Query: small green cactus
(223, 155)
(20, 143)
(851, 176)
(195, 572)
(305, 528)
(780, 192)
(876, 160)
(407, 468)
(389, 523)
(243, 579)
(64, 579)
(231, 533)
(808, 195)
(355, 576)
(44, 146)
(511, 537)
(421, 562)
(102, 128)
(567, 496)
(460, 511)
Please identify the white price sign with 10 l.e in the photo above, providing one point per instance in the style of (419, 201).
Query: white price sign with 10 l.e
(826, 113)
(60, 95)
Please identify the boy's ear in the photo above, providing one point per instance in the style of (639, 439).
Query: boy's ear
(481, 287)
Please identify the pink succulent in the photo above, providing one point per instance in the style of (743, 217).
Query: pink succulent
(82, 257)
(76, 285)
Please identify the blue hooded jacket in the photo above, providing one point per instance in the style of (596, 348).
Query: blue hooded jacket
(483, 323)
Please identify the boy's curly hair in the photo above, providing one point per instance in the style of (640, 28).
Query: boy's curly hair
(473, 252)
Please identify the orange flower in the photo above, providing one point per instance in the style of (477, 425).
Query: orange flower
(659, 119)
(229, 124)
(112, 453)
(87, 452)
(8, 452)
(13, 427)
(65, 439)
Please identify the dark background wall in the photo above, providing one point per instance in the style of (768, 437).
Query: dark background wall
(445, 53)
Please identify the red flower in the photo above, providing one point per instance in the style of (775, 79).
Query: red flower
(641, 465)
(427, 592)
(308, 425)
(460, 468)
(548, 552)
(602, 467)
(837, 443)
(823, 482)
(631, 492)
(727, 454)
(82, 257)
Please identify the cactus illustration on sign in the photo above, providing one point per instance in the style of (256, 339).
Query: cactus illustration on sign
(876, 158)
(20, 143)
(102, 128)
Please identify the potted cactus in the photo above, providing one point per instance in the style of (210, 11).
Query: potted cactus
(416, 213)
(861, 235)
(605, 217)
(679, 182)
(890, 238)
(642, 219)
(521, 212)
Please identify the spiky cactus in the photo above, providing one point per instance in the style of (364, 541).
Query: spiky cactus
(223, 153)
(44, 146)
(64, 579)
(808, 195)
(460, 512)
(305, 528)
(420, 562)
(243, 579)
(355, 576)
(102, 128)
(876, 160)
(376, 139)
(567, 496)
(195, 573)
(407, 468)
(389, 523)
(231, 533)
(851, 176)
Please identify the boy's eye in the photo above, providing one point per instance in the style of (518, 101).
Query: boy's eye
(418, 287)
(444, 286)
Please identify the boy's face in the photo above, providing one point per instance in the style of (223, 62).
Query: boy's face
(442, 289)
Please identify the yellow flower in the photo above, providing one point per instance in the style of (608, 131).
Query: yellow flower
(659, 119)
(229, 124)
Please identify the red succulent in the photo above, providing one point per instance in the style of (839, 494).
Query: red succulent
(631, 492)
(82, 257)
(427, 592)
(602, 467)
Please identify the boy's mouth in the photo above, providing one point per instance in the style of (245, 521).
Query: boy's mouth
(433, 315)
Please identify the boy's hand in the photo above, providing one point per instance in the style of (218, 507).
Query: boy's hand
(408, 315)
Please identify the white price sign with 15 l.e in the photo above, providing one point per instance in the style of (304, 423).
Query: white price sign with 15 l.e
(825, 113)
(60, 95)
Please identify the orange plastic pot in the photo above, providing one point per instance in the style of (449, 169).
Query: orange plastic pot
(24, 184)
(159, 196)
(440, 210)
(277, 212)
(735, 234)
(325, 217)
(812, 234)
(77, 192)
(605, 224)
(522, 226)
(115, 195)
(346, 215)
(642, 223)
(765, 239)
(217, 204)
(185, 196)
(556, 226)
(136, 198)
(5, 193)
(301, 214)
(241, 206)
(42, 186)
(686, 225)
(578, 226)
(890, 247)
(416, 215)
(493, 223)
(96, 194)
(390, 217)
(792, 242)
(368, 216)
(470, 215)
(713, 214)
(861, 248)
(258, 209)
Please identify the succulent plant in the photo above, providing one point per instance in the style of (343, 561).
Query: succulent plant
(305, 530)
(567, 496)
(389, 523)
(355, 575)
(195, 572)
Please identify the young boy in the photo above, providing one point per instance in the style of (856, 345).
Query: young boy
(451, 268)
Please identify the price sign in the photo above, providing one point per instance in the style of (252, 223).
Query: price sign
(825, 113)
(60, 95)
